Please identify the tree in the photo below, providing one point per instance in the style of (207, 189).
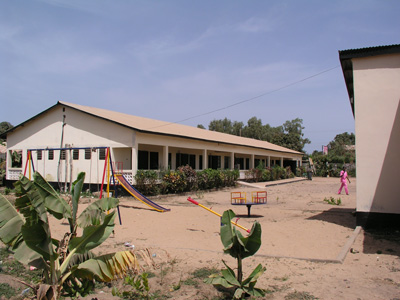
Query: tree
(200, 126)
(254, 129)
(224, 126)
(290, 135)
(4, 126)
(339, 143)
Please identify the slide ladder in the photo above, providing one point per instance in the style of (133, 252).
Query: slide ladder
(135, 193)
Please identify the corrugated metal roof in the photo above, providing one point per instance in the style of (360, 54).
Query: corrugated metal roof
(369, 51)
(147, 125)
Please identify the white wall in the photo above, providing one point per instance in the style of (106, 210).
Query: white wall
(81, 130)
(377, 125)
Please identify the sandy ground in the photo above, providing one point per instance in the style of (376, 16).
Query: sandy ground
(308, 246)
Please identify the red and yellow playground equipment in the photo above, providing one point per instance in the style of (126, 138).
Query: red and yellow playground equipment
(257, 198)
(215, 213)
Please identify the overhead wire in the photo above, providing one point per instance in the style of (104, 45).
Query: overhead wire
(249, 99)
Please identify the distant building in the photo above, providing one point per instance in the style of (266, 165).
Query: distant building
(69, 138)
(372, 77)
(3, 151)
(325, 150)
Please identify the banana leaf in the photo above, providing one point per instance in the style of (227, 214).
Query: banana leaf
(253, 277)
(10, 222)
(107, 267)
(26, 256)
(93, 236)
(54, 204)
(234, 243)
(95, 213)
(76, 190)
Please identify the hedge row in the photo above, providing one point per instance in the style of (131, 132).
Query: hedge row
(268, 174)
(185, 179)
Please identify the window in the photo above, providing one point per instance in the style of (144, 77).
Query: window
(143, 159)
(192, 161)
(200, 162)
(247, 163)
(183, 159)
(51, 154)
(75, 154)
(147, 160)
(102, 154)
(16, 158)
(214, 162)
(153, 160)
(62, 154)
(88, 153)
(39, 155)
(226, 162)
(239, 163)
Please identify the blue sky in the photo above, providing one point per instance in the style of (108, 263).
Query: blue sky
(190, 60)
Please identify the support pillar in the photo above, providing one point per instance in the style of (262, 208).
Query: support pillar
(164, 164)
(205, 159)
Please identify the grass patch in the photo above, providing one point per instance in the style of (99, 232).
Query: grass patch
(300, 296)
(283, 278)
(204, 273)
(6, 291)
(14, 268)
(191, 282)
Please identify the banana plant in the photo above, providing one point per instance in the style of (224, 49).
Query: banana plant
(66, 263)
(239, 247)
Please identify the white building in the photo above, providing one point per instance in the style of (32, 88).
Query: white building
(135, 143)
(372, 77)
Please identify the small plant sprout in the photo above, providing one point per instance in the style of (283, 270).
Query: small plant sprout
(239, 247)
(333, 201)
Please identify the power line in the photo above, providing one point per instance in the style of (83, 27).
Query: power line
(250, 99)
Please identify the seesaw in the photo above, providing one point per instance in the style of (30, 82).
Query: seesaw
(215, 213)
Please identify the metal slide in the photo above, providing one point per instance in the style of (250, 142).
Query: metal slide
(135, 193)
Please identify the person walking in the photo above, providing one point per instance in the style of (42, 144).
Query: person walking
(343, 177)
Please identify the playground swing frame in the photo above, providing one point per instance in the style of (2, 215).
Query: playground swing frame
(108, 169)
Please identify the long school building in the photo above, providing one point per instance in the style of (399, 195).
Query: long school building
(68, 138)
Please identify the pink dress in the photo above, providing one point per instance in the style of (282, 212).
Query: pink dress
(343, 177)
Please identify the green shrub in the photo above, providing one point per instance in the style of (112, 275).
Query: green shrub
(230, 177)
(146, 182)
(209, 178)
(266, 174)
(190, 176)
(173, 182)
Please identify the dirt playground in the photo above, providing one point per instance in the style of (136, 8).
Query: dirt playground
(311, 249)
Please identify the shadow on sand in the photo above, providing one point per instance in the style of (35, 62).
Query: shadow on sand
(378, 241)
(382, 241)
(340, 216)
